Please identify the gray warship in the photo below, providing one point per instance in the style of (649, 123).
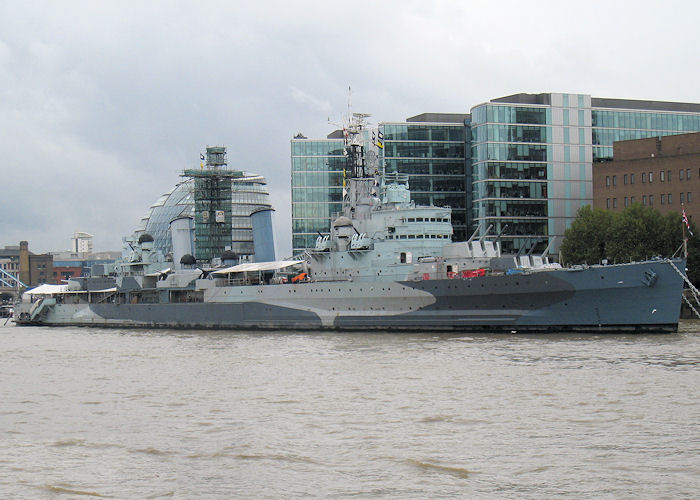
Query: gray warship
(387, 264)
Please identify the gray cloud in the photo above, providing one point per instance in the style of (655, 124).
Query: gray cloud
(102, 104)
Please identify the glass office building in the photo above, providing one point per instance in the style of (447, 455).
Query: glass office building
(622, 119)
(248, 195)
(317, 187)
(430, 148)
(523, 161)
(532, 157)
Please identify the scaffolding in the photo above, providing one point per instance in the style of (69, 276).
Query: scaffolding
(212, 204)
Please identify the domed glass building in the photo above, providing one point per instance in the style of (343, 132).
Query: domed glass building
(249, 196)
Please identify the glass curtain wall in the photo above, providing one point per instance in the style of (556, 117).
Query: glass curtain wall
(613, 125)
(532, 163)
(248, 194)
(317, 188)
(510, 152)
(433, 156)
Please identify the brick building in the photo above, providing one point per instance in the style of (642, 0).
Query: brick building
(662, 172)
(68, 265)
(31, 269)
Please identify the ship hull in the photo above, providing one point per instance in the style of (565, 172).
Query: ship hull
(632, 297)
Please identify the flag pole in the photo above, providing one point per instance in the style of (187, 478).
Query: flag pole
(685, 239)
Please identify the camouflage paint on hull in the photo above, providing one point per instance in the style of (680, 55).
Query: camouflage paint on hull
(613, 298)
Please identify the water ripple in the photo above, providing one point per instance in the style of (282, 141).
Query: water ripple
(151, 414)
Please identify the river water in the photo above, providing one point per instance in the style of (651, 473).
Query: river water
(184, 414)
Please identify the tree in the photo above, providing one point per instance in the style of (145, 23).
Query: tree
(587, 239)
(637, 233)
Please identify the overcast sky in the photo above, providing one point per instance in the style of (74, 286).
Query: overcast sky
(103, 104)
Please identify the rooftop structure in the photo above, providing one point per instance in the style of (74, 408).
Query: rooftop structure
(81, 242)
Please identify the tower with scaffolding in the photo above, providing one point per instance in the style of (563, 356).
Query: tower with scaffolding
(212, 204)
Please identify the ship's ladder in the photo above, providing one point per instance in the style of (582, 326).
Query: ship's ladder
(41, 308)
(691, 287)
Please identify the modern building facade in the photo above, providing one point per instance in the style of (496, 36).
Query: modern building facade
(661, 172)
(432, 148)
(524, 170)
(249, 195)
(317, 186)
(532, 156)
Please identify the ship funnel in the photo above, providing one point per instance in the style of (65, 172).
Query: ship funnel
(182, 235)
(263, 239)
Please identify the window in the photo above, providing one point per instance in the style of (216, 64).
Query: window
(663, 199)
(644, 200)
(687, 175)
(614, 202)
(668, 177)
(651, 200)
(662, 176)
(680, 174)
(625, 180)
(689, 197)
(632, 199)
(644, 177)
(651, 177)
(631, 178)
(627, 202)
(682, 198)
(607, 180)
(615, 179)
(607, 203)
(669, 198)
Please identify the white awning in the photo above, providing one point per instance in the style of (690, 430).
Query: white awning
(259, 266)
(47, 289)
